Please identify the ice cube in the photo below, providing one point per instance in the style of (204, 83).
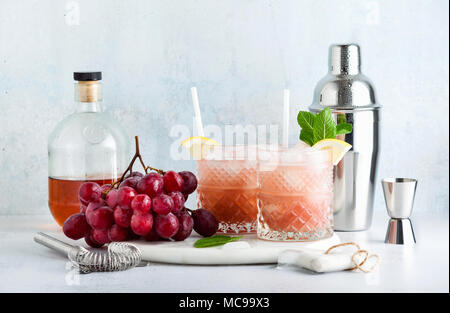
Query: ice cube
(301, 145)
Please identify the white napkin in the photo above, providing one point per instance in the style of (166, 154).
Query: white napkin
(316, 260)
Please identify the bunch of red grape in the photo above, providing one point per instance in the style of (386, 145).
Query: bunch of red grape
(150, 206)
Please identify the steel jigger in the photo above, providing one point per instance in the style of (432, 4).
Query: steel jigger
(399, 195)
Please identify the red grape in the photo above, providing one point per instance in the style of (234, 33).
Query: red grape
(91, 241)
(152, 235)
(89, 192)
(130, 182)
(205, 223)
(162, 204)
(166, 225)
(122, 217)
(91, 207)
(125, 196)
(111, 198)
(141, 203)
(151, 185)
(117, 233)
(190, 182)
(173, 182)
(101, 218)
(104, 188)
(141, 223)
(135, 174)
(186, 223)
(83, 208)
(76, 226)
(100, 236)
(178, 201)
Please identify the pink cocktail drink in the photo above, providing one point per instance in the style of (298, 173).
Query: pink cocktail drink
(227, 186)
(295, 198)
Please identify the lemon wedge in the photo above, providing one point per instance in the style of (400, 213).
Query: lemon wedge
(338, 148)
(198, 146)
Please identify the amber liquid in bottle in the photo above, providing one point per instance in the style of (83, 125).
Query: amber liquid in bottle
(63, 196)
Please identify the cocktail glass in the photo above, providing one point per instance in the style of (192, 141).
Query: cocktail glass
(295, 195)
(227, 186)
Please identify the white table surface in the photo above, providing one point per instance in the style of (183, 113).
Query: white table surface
(28, 267)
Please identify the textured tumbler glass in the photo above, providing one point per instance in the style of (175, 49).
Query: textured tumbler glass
(296, 195)
(227, 186)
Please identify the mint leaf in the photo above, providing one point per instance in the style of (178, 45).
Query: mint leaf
(344, 128)
(306, 121)
(341, 119)
(321, 126)
(214, 241)
(324, 125)
(307, 137)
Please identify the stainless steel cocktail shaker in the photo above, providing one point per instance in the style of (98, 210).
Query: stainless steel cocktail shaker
(351, 97)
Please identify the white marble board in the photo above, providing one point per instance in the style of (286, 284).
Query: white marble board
(248, 250)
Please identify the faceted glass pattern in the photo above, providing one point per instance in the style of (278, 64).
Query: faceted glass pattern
(295, 201)
(228, 188)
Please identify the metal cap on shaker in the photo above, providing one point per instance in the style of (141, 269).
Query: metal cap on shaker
(351, 97)
(344, 59)
(345, 87)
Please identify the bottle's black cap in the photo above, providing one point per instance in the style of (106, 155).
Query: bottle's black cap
(87, 76)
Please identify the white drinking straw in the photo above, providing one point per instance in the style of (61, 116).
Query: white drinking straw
(197, 114)
(286, 118)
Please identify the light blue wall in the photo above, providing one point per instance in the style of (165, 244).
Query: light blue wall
(240, 54)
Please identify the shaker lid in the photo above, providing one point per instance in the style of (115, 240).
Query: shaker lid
(87, 76)
(344, 87)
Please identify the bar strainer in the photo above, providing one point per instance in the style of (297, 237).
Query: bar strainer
(119, 256)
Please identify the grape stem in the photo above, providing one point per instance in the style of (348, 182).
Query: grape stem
(137, 155)
(154, 169)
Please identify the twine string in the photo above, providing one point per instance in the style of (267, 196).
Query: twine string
(374, 266)
(359, 252)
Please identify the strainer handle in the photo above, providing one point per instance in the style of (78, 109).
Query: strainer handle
(53, 243)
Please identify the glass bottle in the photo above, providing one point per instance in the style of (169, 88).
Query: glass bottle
(87, 145)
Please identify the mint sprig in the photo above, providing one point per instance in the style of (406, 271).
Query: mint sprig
(342, 129)
(316, 127)
(214, 241)
(324, 126)
(306, 121)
